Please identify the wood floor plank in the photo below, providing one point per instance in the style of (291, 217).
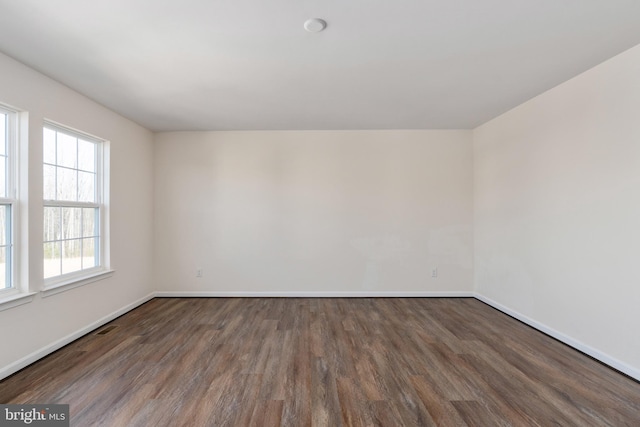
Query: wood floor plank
(442, 411)
(325, 403)
(353, 404)
(474, 414)
(324, 362)
(297, 402)
(384, 413)
(267, 413)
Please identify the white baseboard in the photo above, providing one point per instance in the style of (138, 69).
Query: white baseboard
(44, 351)
(311, 294)
(596, 354)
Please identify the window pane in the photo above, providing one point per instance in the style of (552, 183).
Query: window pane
(49, 146)
(3, 133)
(3, 176)
(86, 156)
(67, 150)
(67, 185)
(5, 282)
(71, 223)
(89, 253)
(4, 230)
(51, 259)
(71, 256)
(49, 178)
(5, 209)
(89, 222)
(51, 224)
(86, 187)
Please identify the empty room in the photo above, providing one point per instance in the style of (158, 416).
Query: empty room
(327, 213)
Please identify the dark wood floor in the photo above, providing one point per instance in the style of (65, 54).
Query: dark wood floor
(330, 362)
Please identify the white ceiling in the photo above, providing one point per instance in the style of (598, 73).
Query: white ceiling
(249, 64)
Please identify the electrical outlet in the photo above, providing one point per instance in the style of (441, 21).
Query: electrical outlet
(434, 272)
(199, 272)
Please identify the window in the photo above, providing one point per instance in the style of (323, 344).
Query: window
(8, 138)
(73, 205)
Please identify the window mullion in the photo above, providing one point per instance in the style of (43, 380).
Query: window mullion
(66, 204)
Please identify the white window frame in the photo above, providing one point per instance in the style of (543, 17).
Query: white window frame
(18, 293)
(64, 282)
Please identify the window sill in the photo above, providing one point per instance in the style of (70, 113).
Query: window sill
(14, 300)
(74, 282)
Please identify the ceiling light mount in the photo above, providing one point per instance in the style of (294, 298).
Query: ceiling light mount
(315, 25)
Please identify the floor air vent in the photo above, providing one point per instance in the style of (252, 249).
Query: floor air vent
(106, 330)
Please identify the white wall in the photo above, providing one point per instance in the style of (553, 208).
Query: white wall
(557, 210)
(27, 329)
(298, 212)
